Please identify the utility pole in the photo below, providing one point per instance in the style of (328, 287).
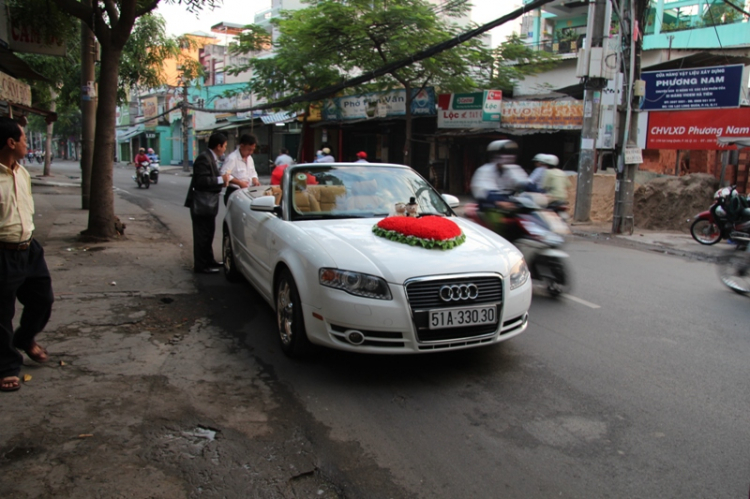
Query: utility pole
(185, 129)
(591, 69)
(88, 110)
(630, 159)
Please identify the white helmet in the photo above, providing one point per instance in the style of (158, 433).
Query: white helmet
(547, 159)
(502, 147)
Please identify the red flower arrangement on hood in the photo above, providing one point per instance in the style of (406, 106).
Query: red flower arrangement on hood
(429, 231)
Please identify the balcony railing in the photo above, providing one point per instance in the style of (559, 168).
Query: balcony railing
(559, 47)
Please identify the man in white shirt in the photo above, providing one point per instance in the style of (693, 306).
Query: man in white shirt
(283, 158)
(240, 166)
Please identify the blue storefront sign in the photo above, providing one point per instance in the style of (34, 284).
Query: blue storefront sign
(380, 104)
(695, 88)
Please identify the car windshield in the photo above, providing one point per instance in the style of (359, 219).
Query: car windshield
(359, 191)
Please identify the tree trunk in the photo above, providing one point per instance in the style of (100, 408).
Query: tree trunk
(50, 131)
(102, 210)
(407, 111)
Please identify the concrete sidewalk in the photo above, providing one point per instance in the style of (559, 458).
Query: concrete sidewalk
(143, 395)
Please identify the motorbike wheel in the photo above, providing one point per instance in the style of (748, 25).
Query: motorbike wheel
(554, 273)
(155, 179)
(734, 271)
(146, 181)
(705, 232)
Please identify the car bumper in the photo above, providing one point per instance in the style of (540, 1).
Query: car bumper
(356, 324)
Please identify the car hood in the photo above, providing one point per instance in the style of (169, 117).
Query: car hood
(353, 246)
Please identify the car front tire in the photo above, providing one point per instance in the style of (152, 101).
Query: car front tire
(291, 327)
(230, 265)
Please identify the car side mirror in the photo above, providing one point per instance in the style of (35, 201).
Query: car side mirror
(265, 203)
(452, 201)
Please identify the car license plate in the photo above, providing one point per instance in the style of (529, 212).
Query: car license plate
(462, 317)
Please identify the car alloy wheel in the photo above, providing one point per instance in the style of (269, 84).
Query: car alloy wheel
(292, 335)
(230, 266)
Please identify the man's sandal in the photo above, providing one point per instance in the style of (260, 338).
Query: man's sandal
(10, 384)
(37, 353)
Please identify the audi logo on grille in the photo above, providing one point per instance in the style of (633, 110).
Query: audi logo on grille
(459, 292)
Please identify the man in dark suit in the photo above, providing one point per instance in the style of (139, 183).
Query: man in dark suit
(203, 201)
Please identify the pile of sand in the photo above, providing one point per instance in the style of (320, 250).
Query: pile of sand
(670, 203)
(664, 203)
(602, 197)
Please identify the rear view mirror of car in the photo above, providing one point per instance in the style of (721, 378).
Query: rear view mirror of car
(452, 201)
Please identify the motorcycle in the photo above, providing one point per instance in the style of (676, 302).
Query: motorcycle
(537, 232)
(142, 175)
(734, 267)
(154, 169)
(727, 214)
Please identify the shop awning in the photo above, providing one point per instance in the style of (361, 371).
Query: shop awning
(17, 67)
(282, 117)
(126, 135)
(738, 141)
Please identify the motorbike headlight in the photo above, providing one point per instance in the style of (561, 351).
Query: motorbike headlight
(368, 286)
(519, 274)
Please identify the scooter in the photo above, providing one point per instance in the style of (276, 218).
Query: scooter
(142, 176)
(728, 213)
(154, 169)
(537, 232)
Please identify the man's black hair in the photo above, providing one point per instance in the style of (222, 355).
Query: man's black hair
(9, 129)
(216, 139)
(248, 139)
(284, 150)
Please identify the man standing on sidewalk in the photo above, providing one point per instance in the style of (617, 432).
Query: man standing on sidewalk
(23, 271)
(240, 166)
(203, 201)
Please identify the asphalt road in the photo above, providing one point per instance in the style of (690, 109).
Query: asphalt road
(634, 386)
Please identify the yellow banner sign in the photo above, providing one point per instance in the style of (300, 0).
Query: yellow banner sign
(559, 115)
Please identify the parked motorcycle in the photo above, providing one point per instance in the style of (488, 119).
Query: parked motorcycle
(728, 212)
(154, 169)
(142, 175)
(537, 232)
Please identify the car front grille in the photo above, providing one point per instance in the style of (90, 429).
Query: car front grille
(424, 295)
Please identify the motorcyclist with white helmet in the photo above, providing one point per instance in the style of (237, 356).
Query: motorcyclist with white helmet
(541, 162)
(494, 182)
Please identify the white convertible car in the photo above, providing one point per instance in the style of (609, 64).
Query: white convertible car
(370, 258)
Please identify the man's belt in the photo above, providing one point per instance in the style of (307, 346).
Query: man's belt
(24, 245)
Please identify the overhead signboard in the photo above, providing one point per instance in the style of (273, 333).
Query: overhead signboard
(12, 90)
(696, 88)
(390, 103)
(551, 115)
(150, 110)
(470, 110)
(696, 129)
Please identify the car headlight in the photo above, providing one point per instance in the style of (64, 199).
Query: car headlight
(368, 286)
(519, 274)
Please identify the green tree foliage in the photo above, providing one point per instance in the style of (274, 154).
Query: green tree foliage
(112, 22)
(513, 60)
(331, 40)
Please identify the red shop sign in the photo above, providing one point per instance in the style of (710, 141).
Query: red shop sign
(696, 129)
